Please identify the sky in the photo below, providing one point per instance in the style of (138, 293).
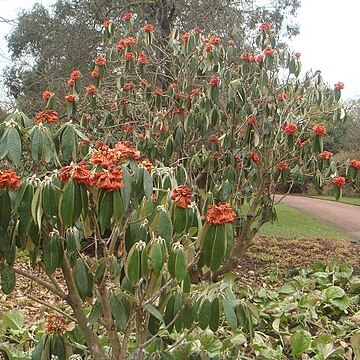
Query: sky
(328, 39)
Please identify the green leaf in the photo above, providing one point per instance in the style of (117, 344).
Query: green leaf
(13, 320)
(37, 141)
(14, 146)
(118, 206)
(157, 256)
(68, 142)
(181, 217)
(118, 312)
(180, 266)
(106, 210)
(215, 315)
(204, 314)
(83, 279)
(208, 243)
(49, 201)
(300, 342)
(53, 252)
(165, 228)
(5, 210)
(132, 265)
(218, 249)
(230, 315)
(58, 347)
(334, 292)
(148, 184)
(38, 351)
(7, 276)
(153, 311)
(67, 204)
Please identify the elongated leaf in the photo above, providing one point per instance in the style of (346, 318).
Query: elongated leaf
(53, 253)
(218, 248)
(148, 184)
(165, 228)
(118, 312)
(68, 142)
(300, 342)
(5, 210)
(14, 144)
(180, 266)
(215, 315)
(153, 311)
(181, 217)
(106, 210)
(230, 315)
(58, 347)
(204, 314)
(208, 243)
(83, 279)
(118, 206)
(7, 276)
(67, 204)
(157, 257)
(132, 266)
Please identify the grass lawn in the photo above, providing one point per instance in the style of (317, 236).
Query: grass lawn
(346, 200)
(292, 223)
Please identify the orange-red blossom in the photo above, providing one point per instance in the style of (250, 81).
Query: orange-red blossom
(109, 180)
(319, 130)
(9, 180)
(49, 116)
(181, 196)
(220, 214)
(339, 181)
(79, 173)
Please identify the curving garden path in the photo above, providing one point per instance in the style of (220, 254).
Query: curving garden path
(340, 215)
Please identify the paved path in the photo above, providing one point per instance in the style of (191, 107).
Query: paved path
(340, 215)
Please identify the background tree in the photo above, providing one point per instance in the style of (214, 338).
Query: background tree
(46, 43)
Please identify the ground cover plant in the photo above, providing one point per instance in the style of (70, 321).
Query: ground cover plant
(131, 190)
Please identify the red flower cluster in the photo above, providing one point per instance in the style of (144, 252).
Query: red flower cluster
(91, 89)
(214, 140)
(70, 98)
(9, 180)
(282, 97)
(319, 130)
(123, 43)
(265, 26)
(214, 81)
(355, 164)
(55, 325)
(47, 94)
(268, 51)
(259, 58)
(100, 60)
(339, 85)
(127, 127)
(251, 120)
(95, 74)
(106, 24)
(255, 157)
(76, 74)
(213, 40)
(339, 181)
(290, 129)
(282, 166)
(181, 196)
(220, 214)
(148, 28)
(109, 180)
(325, 155)
(129, 56)
(49, 116)
(128, 86)
(79, 173)
(127, 16)
(142, 58)
(184, 38)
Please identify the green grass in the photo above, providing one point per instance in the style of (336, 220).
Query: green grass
(292, 223)
(346, 200)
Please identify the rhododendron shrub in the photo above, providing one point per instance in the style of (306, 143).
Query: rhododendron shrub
(132, 188)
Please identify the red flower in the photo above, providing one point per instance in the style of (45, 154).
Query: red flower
(282, 97)
(146, 164)
(91, 89)
(123, 101)
(79, 173)
(220, 214)
(159, 91)
(95, 74)
(265, 26)
(128, 86)
(282, 166)
(127, 16)
(290, 129)
(47, 95)
(49, 116)
(70, 98)
(255, 157)
(9, 180)
(71, 82)
(109, 180)
(214, 81)
(355, 164)
(101, 60)
(208, 48)
(339, 181)
(214, 140)
(325, 155)
(297, 55)
(181, 196)
(75, 74)
(197, 30)
(259, 58)
(185, 38)
(142, 58)
(319, 130)
(213, 40)
(55, 325)
(268, 51)
(251, 120)
(302, 143)
(140, 136)
(106, 23)
(339, 85)
(148, 28)
(231, 42)
(129, 56)
(128, 128)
